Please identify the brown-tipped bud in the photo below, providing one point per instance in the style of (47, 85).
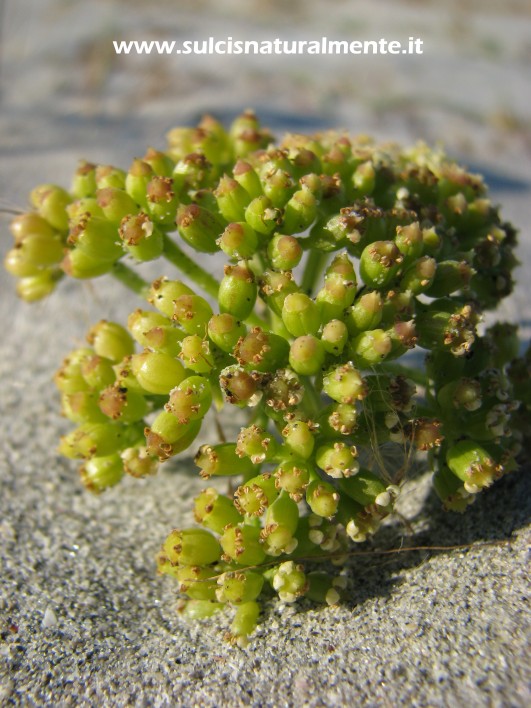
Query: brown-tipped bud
(241, 387)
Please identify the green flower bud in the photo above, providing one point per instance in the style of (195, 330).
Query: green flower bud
(307, 355)
(275, 287)
(192, 172)
(17, 265)
(299, 438)
(359, 522)
(84, 181)
(237, 587)
(238, 240)
(77, 264)
(257, 444)
(51, 202)
(225, 331)
(96, 237)
(37, 287)
(138, 462)
(425, 433)
(365, 313)
(292, 477)
(153, 330)
(98, 440)
(284, 252)
(119, 403)
(261, 351)
(334, 337)
(28, 223)
(137, 180)
(246, 617)
(237, 291)
(196, 354)
(97, 371)
(451, 491)
(344, 384)
(338, 460)
(162, 202)
(463, 393)
(336, 232)
(191, 547)
(221, 460)
(290, 581)
(164, 292)
(241, 544)
(299, 213)
(83, 207)
(410, 242)
(419, 277)
(255, 496)
(168, 437)
(322, 498)
(140, 237)
(109, 176)
(232, 199)
(380, 263)
(240, 387)
(283, 391)
(364, 179)
(281, 520)
(196, 582)
(335, 296)
(199, 227)
(192, 312)
(215, 511)
(454, 330)
(82, 407)
(278, 186)
(190, 400)
(159, 162)
(115, 203)
(247, 177)
(100, 473)
(473, 464)
(110, 340)
(338, 419)
(40, 250)
(263, 216)
(300, 315)
(69, 377)
(247, 135)
(370, 348)
(157, 372)
(198, 609)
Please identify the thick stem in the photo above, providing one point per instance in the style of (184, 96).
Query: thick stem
(312, 400)
(312, 270)
(190, 268)
(130, 279)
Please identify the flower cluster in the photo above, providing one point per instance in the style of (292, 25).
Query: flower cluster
(342, 257)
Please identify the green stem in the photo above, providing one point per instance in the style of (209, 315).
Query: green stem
(190, 268)
(312, 400)
(130, 279)
(312, 270)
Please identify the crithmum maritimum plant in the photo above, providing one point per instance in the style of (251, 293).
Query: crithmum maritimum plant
(343, 256)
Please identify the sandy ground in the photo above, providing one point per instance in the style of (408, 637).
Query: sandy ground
(83, 618)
